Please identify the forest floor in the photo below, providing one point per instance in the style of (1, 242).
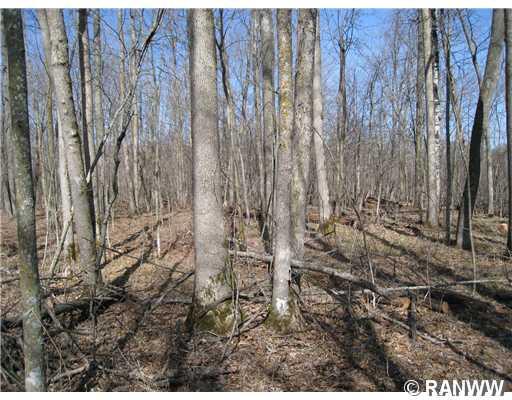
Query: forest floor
(344, 343)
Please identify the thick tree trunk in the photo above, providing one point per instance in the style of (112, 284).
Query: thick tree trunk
(33, 347)
(282, 307)
(211, 283)
(318, 136)
(480, 126)
(508, 98)
(303, 125)
(267, 56)
(64, 96)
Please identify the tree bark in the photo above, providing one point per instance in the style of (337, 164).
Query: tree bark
(135, 116)
(282, 309)
(98, 105)
(419, 126)
(211, 258)
(303, 125)
(87, 105)
(318, 135)
(64, 96)
(341, 123)
(433, 114)
(33, 344)
(267, 57)
(508, 99)
(480, 126)
(5, 188)
(65, 194)
(449, 177)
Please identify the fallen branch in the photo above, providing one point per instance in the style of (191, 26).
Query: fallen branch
(421, 287)
(315, 268)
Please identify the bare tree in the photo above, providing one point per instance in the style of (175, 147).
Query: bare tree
(267, 56)
(33, 346)
(303, 125)
(211, 280)
(5, 157)
(429, 29)
(419, 125)
(65, 194)
(318, 136)
(87, 104)
(508, 98)
(480, 126)
(99, 117)
(64, 96)
(282, 306)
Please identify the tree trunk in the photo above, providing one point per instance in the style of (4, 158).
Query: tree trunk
(87, 106)
(33, 347)
(99, 117)
(5, 188)
(65, 194)
(341, 123)
(122, 89)
(267, 40)
(420, 118)
(282, 308)
(303, 125)
(211, 283)
(508, 98)
(318, 136)
(64, 96)
(433, 114)
(488, 165)
(449, 178)
(480, 126)
(135, 116)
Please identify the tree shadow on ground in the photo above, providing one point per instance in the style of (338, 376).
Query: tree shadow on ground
(365, 353)
(478, 314)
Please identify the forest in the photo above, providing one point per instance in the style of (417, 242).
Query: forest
(255, 199)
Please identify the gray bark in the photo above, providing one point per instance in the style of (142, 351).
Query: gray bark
(267, 56)
(433, 115)
(87, 105)
(64, 96)
(65, 194)
(281, 278)
(480, 126)
(303, 125)
(122, 89)
(508, 99)
(98, 101)
(210, 284)
(5, 188)
(135, 116)
(318, 135)
(419, 126)
(33, 347)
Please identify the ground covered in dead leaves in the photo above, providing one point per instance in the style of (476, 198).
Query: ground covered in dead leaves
(139, 341)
